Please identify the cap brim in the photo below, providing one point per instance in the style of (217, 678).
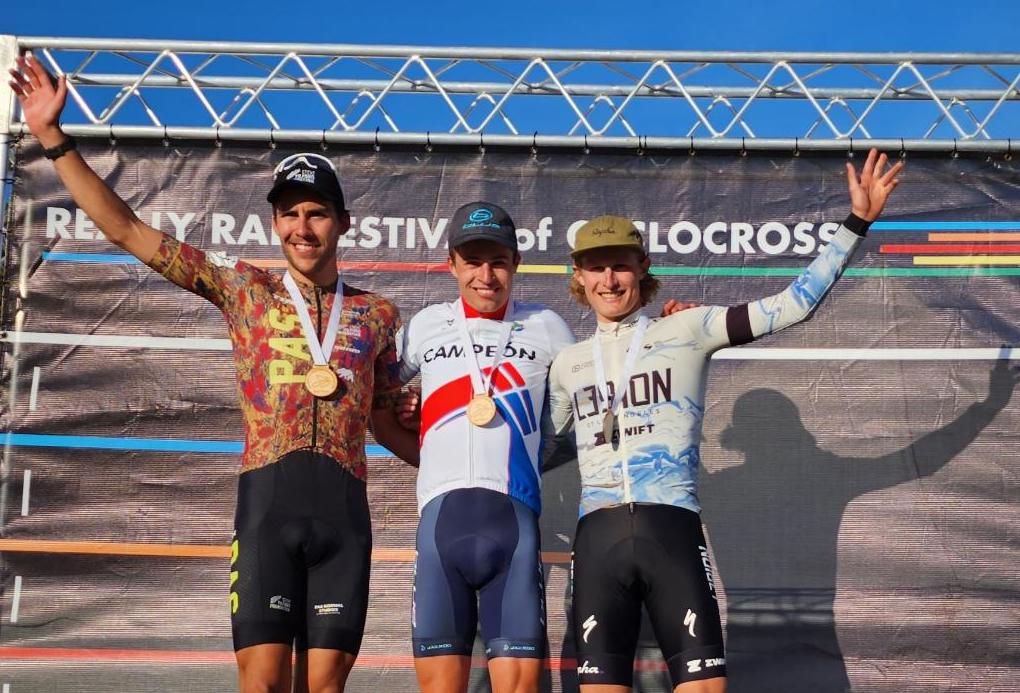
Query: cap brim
(277, 190)
(577, 253)
(485, 236)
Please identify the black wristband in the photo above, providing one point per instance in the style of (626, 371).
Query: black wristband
(857, 225)
(69, 144)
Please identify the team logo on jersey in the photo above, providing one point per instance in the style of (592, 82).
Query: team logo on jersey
(510, 391)
(589, 625)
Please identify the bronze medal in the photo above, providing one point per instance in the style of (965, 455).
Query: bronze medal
(481, 410)
(321, 381)
(608, 426)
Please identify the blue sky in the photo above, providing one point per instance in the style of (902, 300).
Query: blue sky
(769, 25)
(936, 25)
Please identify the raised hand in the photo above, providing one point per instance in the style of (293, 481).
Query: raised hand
(869, 192)
(41, 97)
(42, 100)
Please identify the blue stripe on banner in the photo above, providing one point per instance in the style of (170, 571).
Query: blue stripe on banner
(944, 225)
(111, 258)
(148, 444)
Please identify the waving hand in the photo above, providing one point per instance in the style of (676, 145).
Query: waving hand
(869, 192)
(41, 97)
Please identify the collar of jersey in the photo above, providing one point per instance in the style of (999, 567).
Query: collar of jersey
(309, 289)
(500, 314)
(626, 323)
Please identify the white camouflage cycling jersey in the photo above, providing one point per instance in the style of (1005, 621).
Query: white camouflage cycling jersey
(658, 429)
(504, 454)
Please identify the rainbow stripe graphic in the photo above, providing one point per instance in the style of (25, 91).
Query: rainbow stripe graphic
(957, 243)
(950, 249)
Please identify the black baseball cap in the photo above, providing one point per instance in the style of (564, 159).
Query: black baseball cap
(310, 171)
(482, 221)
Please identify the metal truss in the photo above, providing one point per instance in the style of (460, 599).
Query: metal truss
(519, 97)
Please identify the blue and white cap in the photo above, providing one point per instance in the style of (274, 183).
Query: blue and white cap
(482, 221)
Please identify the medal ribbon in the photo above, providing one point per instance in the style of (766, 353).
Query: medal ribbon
(479, 384)
(613, 402)
(320, 352)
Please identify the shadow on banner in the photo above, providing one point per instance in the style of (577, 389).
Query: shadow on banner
(774, 521)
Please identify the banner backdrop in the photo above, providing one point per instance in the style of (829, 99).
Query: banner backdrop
(861, 478)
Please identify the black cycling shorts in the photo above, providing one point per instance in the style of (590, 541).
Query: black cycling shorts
(650, 554)
(301, 555)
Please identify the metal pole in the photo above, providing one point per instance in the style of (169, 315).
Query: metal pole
(473, 141)
(487, 53)
(5, 263)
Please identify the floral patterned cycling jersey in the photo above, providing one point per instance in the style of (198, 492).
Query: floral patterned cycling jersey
(271, 356)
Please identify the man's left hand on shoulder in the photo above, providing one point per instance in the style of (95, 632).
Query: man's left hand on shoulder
(674, 306)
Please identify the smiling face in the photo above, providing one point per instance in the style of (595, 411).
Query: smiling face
(309, 228)
(611, 279)
(484, 271)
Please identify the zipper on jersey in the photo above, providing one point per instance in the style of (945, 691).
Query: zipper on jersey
(627, 497)
(470, 454)
(470, 435)
(315, 400)
(625, 463)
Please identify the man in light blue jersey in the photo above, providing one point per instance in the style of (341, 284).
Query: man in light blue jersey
(634, 393)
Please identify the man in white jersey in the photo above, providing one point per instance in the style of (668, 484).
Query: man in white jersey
(635, 395)
(483, 360)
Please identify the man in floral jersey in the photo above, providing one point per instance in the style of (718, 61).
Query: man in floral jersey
(316, 363)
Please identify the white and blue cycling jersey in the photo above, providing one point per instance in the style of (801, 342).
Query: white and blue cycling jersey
(504, 454)
(655, 455)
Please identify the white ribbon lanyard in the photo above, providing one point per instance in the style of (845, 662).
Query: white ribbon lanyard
(481, 385)
(320, 352)
(614, 399)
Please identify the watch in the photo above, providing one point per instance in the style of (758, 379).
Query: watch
(69, 144)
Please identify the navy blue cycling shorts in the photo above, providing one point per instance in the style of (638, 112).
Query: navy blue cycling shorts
(478, 563)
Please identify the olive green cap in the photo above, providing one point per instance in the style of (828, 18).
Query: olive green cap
(607, 232)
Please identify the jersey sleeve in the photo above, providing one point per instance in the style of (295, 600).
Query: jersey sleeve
(559, 333)
(211, 275)
(408, 351)
(742, 324)
(387, 365)
(558, 417)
